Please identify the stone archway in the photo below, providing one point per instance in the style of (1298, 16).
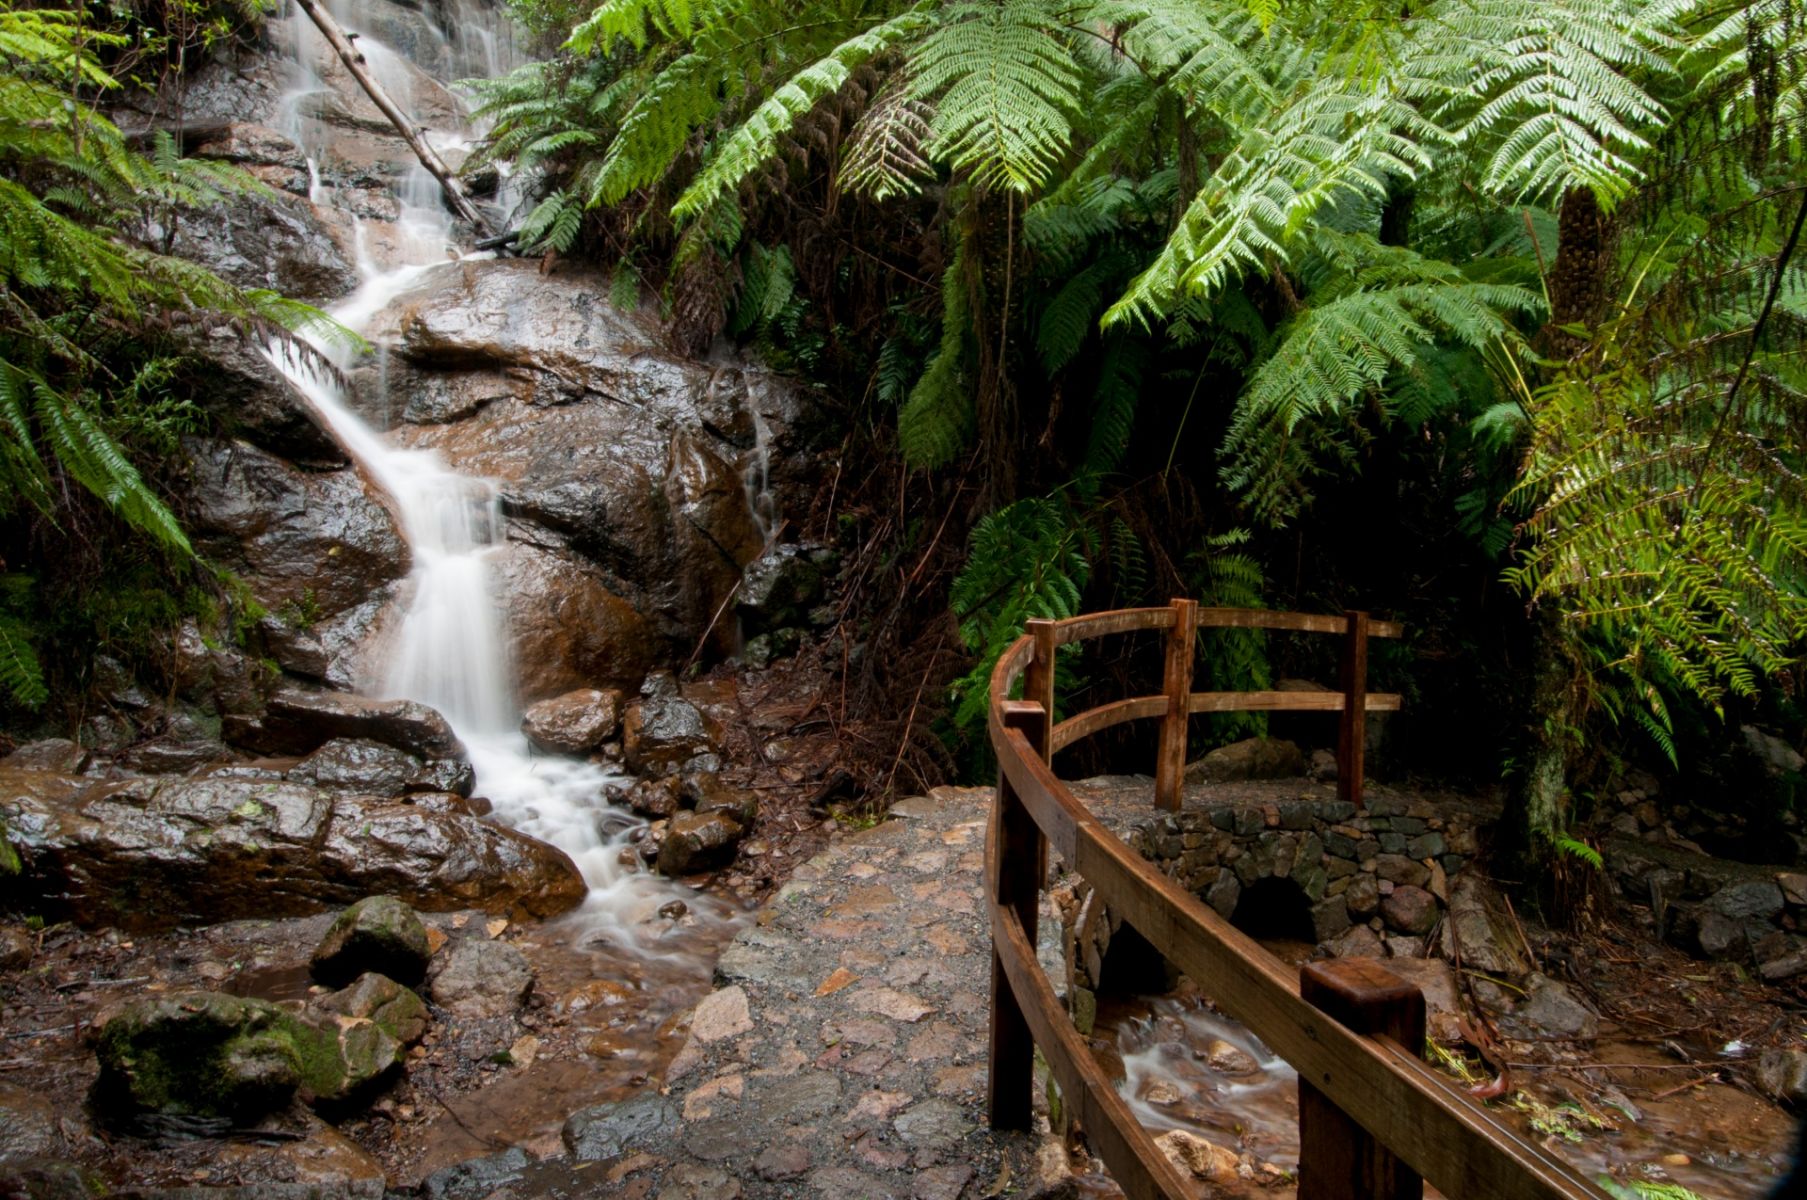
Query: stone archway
(1274, 908)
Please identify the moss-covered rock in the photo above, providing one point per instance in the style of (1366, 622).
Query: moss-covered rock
(200, 1052)
(378, 933)
(343, 1060)
(210, 1054)
(397, 1010)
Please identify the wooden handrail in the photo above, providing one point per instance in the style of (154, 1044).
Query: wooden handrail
(1406, 1109)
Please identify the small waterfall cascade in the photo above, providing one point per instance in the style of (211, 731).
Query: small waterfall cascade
(450, 648)
(450, 651)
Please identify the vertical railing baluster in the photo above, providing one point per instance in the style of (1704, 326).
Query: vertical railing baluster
(1176, 685)
(1352, 730)
(1021, 859)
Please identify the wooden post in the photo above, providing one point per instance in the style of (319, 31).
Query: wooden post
(1021, 866)
(429, 158)
(1338, 1159)
(1038, 678)
(1352, 733)
(1176, 685)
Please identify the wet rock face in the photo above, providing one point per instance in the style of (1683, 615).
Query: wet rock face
(358, 765)
(632, 459)
(574, 723)
(378, 933)
(313, 541)
(299, 721)
(569, 628)
(272, 241)
(152, 853)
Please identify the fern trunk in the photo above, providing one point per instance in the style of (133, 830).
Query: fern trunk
(1541, 805)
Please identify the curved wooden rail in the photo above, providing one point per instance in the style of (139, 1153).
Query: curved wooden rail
(1375, 1121)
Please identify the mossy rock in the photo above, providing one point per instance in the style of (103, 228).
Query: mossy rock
(200, 1052)
(210, 1054)
(343, 1063)
(397, 1010)
(378, 933)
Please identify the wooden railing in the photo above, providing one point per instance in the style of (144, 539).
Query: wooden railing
(1374, 1120)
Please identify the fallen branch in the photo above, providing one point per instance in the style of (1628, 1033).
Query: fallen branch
(429, 158)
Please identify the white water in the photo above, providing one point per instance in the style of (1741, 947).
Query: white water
(450, 647)
(450, 651)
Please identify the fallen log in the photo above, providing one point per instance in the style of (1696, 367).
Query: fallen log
(429, 158)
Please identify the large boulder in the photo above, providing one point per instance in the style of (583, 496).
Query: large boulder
(299, 721)
(1251, 758)
(574, 723)
(153, 853)
(378, 933)
(639, 461)
(569, 628)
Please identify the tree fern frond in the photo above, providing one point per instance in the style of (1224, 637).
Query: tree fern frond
(756, 139)
(886, 154)
(1005, 89)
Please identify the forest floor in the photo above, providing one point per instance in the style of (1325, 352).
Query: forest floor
(833, 1043)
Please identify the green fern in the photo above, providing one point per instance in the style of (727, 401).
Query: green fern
(936, 421)
(756, 139)
(1030, 559)
(1005, 87)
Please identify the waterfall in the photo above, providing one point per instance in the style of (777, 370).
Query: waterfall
(450, 647)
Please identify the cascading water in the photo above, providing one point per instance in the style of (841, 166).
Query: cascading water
(449, 649)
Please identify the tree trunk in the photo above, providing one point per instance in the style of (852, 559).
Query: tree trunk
(1538, 808)
(429, 158)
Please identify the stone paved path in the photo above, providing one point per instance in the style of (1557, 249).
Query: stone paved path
(842, 1053)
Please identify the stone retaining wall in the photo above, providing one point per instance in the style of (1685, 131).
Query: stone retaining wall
(1373, 882)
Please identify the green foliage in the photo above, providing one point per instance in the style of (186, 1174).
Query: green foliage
(21, 674)
(1333, 226)
(935, 423)
(1641, 1190)
(85, 395)
(1030, 559)
(1221, 575)
(1574, 847)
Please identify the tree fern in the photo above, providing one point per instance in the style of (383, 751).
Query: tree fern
(935, 423)
(1005, 88)
(1380, 313)
(1030, 559)
(887, 155)
(756, 138)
